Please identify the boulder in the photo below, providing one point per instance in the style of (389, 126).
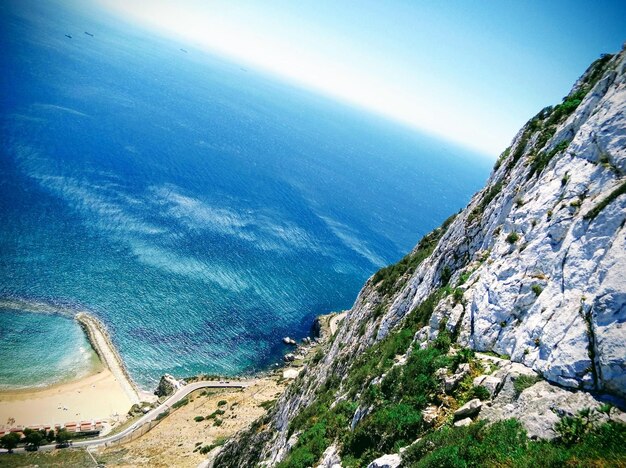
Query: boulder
(463, 422)
(540, 407)
(452, 381)
(289, 357)
(490, 383)
(359, 414)
(430, 414)
(291, 373)
(471, 408)
(330, 458)
(167, 385)
(386, 461)
(289, 341)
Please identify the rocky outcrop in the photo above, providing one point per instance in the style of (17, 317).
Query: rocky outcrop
(167, 385)
(386, 461)
(535, 266)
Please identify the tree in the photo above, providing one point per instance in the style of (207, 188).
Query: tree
(33, 439)
(62, 436)
(50, 436)
(9, 441)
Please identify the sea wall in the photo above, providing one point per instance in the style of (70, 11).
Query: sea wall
(103, 346)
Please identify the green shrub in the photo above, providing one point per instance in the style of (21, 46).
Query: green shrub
(180, 403)
(572, 429)
(386, 279)
(318, 356)
(489, 195)
(523, 382)
(457, 296)
(218, 422)
(481, 393)
(505, 443)
(266, 405)
(162, 415)
(198, 418)
(595, 211)
(512, 238)
(222, 403)
(536, 289)
(446, 274)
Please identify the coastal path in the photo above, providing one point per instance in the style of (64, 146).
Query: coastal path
(152, 414)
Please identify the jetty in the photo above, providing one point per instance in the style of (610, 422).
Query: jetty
(100, 340)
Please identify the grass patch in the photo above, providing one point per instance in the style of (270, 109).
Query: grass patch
(386, 279)
(523, 382)
(505, 443)
(596, 210)
(488, 197)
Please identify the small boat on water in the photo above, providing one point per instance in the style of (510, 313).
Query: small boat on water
(88, 33)
(183, 50)
(68, 35)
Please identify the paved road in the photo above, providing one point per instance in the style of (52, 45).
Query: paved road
(152, 414)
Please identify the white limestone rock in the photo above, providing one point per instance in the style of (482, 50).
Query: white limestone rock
(469, 409)
(386, 461)
(489, 382)
(463, 422)
(330, 458)
(540, 407)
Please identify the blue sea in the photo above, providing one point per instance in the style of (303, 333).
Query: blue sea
(200, 208)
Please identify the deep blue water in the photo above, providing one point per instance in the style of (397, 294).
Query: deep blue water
(201, 210)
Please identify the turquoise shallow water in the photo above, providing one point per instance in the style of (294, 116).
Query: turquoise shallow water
(37, 340)
(200, 210)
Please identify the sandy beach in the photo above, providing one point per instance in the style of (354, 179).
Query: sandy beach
(106, 395)
(96, 397)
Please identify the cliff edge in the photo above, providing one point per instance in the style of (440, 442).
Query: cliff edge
(533, 270)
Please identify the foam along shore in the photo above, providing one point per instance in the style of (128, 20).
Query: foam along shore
(106, 395)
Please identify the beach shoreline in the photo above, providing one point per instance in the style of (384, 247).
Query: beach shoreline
(106, 394)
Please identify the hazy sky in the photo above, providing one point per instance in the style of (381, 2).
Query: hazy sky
(470, 71)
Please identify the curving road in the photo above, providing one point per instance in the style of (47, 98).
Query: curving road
(152, 414)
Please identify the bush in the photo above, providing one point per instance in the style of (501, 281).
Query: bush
(180, 403)
(222, 403)
(504, 443)
(512, 238)
(596, 210)
(266, 405)
(318, 356)
(386, 279)
(162, 415)
(572, 429)
(523, 382)
(536, 289)
(481, 393)
(198, 418)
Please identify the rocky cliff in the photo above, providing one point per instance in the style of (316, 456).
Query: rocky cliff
(533, 270)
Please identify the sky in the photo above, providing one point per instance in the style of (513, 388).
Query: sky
(472, 72)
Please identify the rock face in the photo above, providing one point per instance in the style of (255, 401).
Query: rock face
(469, 409)
(167, 385)
(537, 261)
(386, 461)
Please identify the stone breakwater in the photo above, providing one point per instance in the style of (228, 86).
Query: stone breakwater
(100, 340)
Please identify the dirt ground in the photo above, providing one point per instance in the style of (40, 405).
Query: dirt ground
(177, 440)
